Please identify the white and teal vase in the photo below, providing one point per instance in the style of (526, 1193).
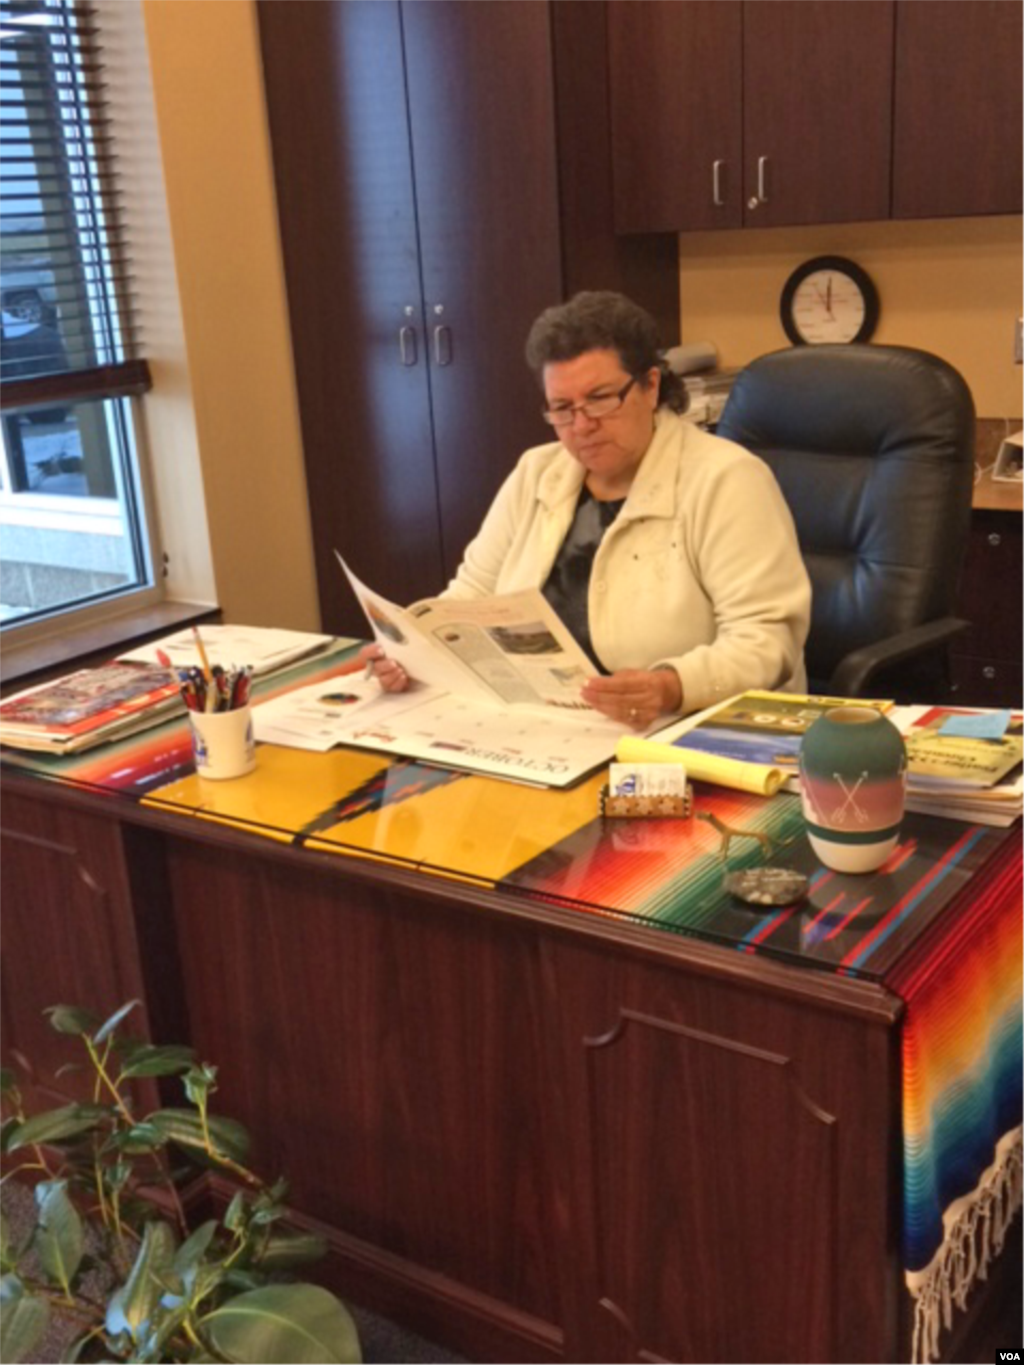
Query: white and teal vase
(853, 778)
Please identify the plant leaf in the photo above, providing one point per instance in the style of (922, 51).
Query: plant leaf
(287, 1249)
(234, 1214)
(132, 1307)
(70, 1019)
(73, 1349)
(141, 1137)
(54, 1124)
(60, 1236)
(23, 1320)
(7, 1130)
(107, 1028)
(158, 1061)
(194, 1248)
(187, 1260)
(8, 1081)
(200, 1081)
(183, 1126)
(288, 1323)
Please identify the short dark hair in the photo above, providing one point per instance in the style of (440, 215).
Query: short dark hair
(600, 320)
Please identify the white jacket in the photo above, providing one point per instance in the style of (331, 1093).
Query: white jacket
(700, 570)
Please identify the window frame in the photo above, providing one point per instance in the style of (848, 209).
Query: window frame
(121, 381)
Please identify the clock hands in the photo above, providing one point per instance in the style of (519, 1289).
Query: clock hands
(826, 297)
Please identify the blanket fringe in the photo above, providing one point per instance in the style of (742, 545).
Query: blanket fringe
(974, 1231)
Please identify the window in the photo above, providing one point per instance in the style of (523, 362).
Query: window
(73, 524)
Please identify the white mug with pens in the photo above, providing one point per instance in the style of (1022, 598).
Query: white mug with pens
(220, 716)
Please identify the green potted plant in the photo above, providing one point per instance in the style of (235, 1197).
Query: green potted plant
(107, 1199)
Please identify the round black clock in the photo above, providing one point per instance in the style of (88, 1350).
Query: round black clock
(829, 299)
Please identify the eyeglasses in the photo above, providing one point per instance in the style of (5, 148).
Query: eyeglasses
(594, 408)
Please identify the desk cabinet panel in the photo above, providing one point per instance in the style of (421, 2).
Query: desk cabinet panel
(72, 884)
(987, 658)
(389, 1060)
(726, 1137)
(956, 143)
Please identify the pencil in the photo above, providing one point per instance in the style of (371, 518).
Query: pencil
(207, 674)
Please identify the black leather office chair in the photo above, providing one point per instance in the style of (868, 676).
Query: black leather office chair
(873, 447)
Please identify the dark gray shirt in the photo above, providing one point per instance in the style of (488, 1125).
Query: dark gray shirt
(569, 581)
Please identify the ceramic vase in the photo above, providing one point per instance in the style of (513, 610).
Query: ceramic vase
(853, 770)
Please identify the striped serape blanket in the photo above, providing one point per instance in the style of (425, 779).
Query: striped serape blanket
(961, 1099)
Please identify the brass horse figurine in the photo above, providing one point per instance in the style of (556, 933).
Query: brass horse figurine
(730, 832)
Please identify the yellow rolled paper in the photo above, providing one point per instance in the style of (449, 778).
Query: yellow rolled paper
(724, 772)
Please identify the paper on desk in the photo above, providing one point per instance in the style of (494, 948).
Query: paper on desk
(984, 725)
(320, 715)
(703, 767)
(262, 648)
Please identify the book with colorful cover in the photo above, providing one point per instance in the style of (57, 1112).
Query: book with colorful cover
(89, 707)
(760, 727)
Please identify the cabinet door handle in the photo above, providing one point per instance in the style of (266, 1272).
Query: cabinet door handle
(995, 539)
(716, 184)
(762, 179)
(442, 344)
(407, 345)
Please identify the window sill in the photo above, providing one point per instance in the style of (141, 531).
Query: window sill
(83, 646)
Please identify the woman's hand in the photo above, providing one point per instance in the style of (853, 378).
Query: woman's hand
(636, 697)
(388, 672)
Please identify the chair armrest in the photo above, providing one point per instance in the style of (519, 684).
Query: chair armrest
(854, 671)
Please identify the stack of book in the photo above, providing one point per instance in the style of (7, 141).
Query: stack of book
(976, 777)
(141, 689)
(89, 708)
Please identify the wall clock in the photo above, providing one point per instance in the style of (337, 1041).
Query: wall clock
(829, 299)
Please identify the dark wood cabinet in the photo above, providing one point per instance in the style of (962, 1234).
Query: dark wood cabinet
(429, 188)
(986, 661)
(727, 113)
(956, 146)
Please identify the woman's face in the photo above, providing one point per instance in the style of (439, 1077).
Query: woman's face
(609, 448)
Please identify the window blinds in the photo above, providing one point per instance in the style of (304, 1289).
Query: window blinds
(65, 267)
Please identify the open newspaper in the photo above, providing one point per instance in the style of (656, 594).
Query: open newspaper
(495, 688)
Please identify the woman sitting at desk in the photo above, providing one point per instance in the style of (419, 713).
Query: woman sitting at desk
(669, 553)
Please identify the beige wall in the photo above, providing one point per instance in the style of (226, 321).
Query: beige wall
(208, 90)
(952, 286)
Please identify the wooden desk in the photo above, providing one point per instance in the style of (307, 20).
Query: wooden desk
(529, 1124)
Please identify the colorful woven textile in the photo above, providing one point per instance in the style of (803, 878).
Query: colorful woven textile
(962, 1060)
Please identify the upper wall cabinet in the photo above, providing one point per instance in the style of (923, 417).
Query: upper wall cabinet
(958, 108)
(737, 112)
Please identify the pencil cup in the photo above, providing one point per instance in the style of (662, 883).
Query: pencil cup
(222, 743)
(853, 771)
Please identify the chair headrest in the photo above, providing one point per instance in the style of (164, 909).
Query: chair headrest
(877, 399)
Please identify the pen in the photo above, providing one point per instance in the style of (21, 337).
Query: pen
(202, 653)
